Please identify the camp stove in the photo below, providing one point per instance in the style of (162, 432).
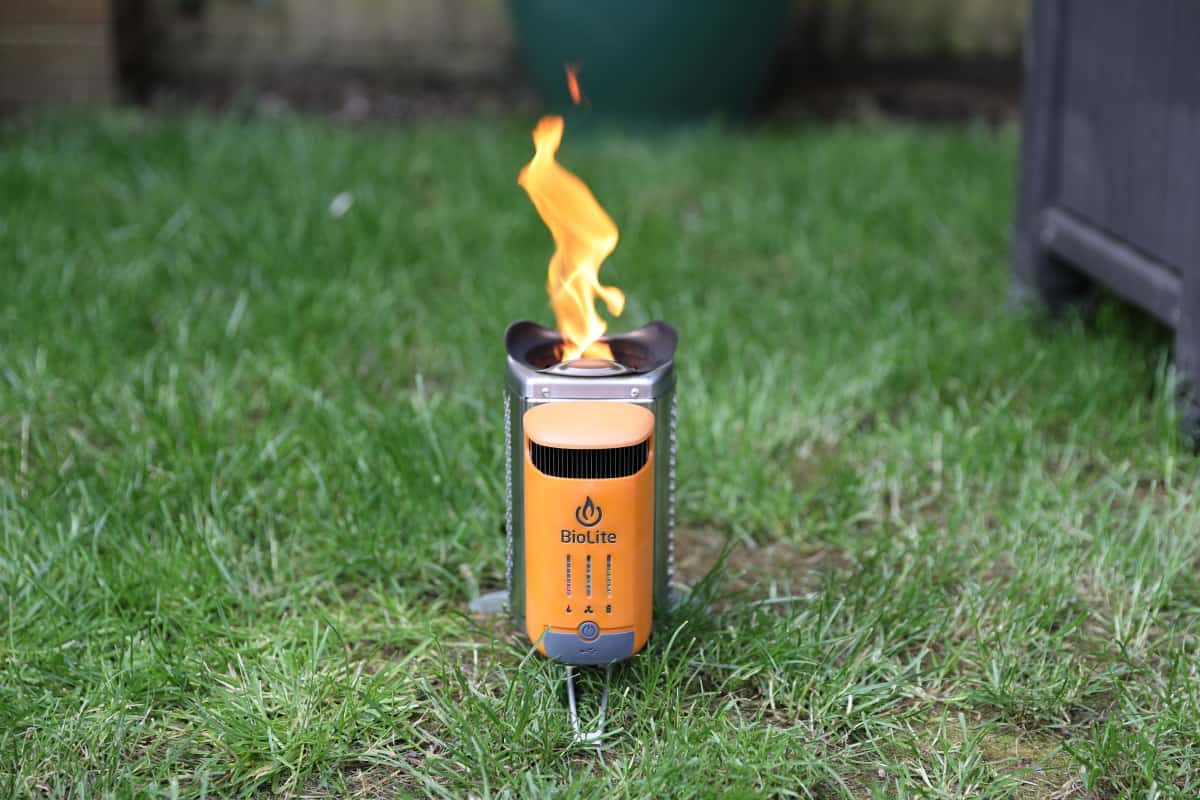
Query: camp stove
(590, 473)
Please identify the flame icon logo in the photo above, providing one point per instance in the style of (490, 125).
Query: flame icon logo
(588, 515)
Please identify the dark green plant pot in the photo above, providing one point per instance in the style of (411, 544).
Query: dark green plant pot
(650, 61)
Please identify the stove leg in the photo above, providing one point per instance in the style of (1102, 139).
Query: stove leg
(490, 603)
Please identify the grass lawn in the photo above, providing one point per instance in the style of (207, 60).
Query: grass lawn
(251, 474)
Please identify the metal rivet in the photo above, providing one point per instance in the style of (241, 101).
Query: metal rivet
(634, 392)
(545, 391)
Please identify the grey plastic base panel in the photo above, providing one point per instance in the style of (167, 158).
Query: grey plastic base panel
(606, 648)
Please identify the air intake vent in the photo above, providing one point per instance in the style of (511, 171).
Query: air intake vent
(612, 462)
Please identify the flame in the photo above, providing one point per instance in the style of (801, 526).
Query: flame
(584, 235)
(573, 82)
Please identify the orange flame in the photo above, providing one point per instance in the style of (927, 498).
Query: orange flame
(573, 82)
(584, 235)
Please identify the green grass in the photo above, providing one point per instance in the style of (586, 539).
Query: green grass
(251, 474)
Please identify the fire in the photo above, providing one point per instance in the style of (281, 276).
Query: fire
(573, 83)
(584, 235)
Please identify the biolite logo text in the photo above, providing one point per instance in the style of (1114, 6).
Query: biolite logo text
(588, 515)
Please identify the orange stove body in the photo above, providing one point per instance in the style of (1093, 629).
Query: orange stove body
(589, 529)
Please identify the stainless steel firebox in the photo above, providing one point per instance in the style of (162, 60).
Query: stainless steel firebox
(641, 372)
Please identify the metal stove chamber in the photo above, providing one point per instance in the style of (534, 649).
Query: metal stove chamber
(641, 373)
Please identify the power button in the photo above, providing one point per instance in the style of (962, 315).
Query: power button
(588, 630)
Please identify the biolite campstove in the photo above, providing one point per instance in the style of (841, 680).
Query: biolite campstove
(590, 475)
(589, 422)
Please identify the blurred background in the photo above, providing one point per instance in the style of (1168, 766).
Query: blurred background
(392, 59)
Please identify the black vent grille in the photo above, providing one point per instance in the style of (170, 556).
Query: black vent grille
(611, 462)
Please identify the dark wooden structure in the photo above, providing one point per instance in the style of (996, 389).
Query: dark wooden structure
(57, 52)
(1110, 164)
